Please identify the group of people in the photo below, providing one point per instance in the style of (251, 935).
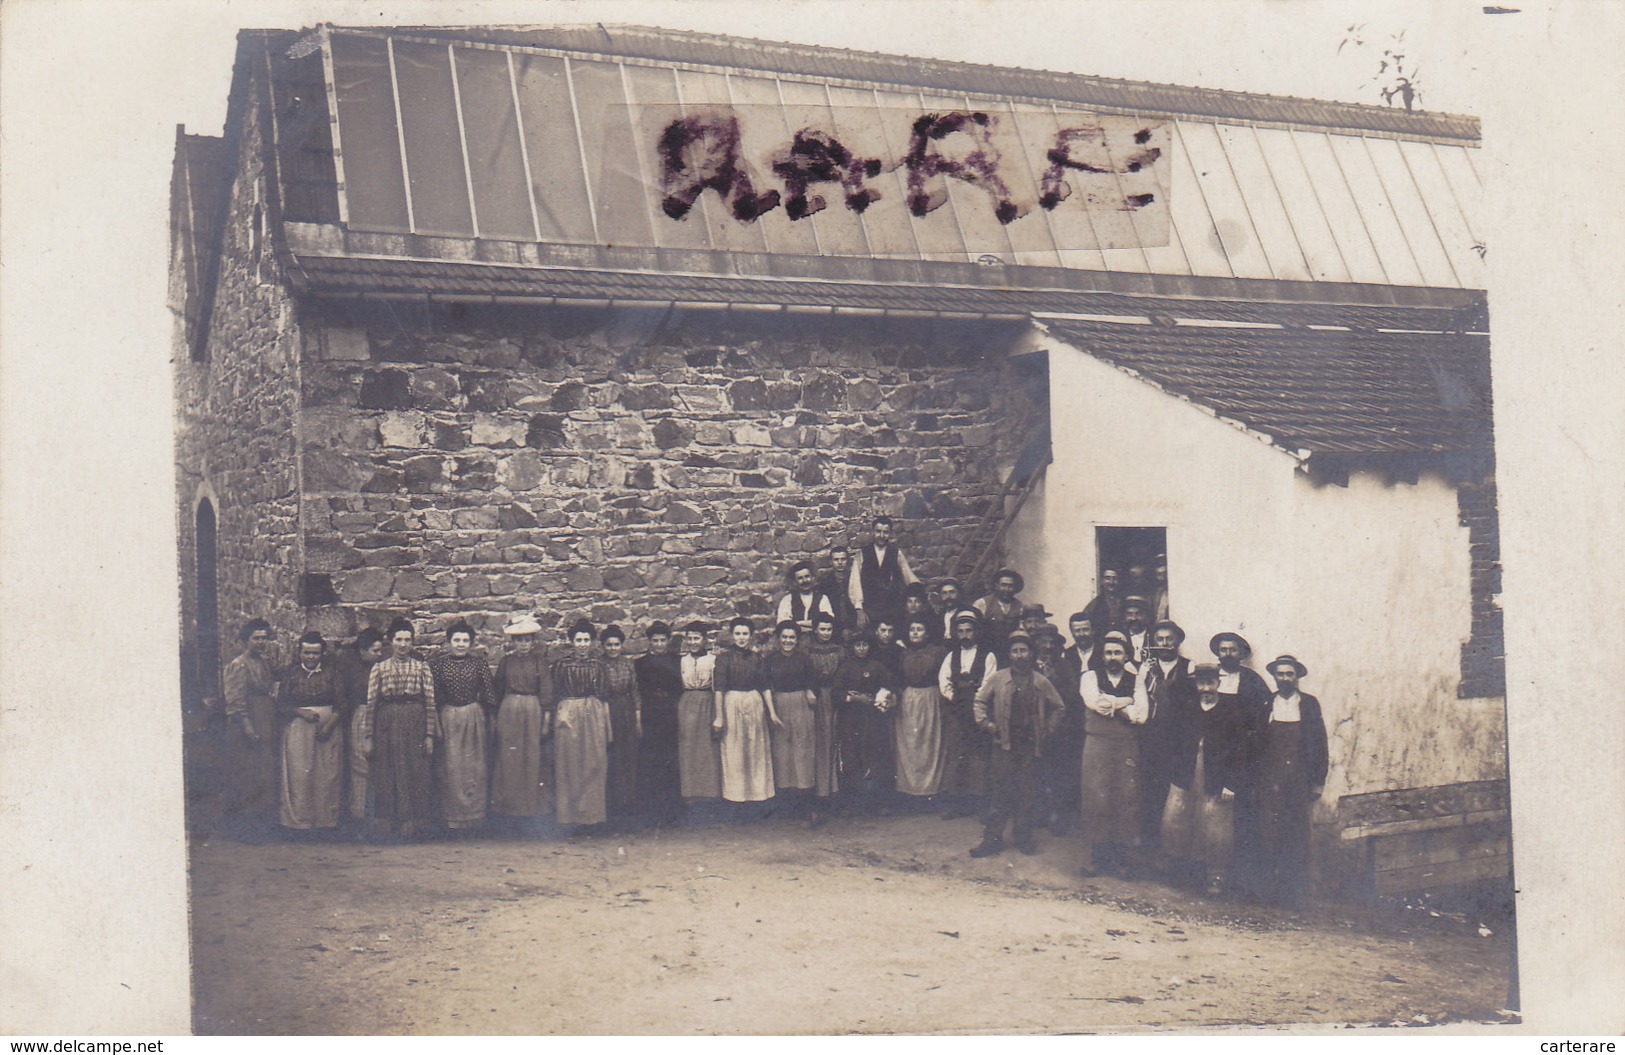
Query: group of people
(869, 693)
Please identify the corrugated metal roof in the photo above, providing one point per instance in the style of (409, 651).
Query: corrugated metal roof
(476, 133)
(1138, 97)
(1336, 393)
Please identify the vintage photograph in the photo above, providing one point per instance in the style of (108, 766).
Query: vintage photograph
(831, 541)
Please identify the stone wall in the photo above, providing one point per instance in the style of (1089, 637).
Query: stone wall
(1483, 655)
(236, 412)
(627, 465)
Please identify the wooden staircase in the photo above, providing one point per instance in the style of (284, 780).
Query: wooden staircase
(983, 543)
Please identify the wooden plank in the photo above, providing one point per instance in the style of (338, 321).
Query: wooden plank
(1453, 820)
(1445, 844)
(1428, 877)
(1411, 803)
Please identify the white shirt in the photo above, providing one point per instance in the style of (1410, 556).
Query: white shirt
(1135, 706)
(1229, 682)
(945, 673)
(787, 608)
(1284, 708)
(854, 590)
(697, 670)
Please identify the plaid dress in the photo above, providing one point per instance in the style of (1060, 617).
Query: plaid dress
(400, 716)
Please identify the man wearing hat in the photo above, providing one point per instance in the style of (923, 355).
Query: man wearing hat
(1291, 775)
(1020, 709)
(1164, 680)
(1241, 689)
(1207, 745)
(1113, 713)
(968, 664)
(1001, 609)
(804, 600)
(1137, 625)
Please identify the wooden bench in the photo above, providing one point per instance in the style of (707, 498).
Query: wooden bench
(1420, 839)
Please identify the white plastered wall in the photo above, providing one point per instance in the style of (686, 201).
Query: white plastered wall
(1366, 584)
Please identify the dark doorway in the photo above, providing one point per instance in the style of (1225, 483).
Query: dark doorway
(1139, 555)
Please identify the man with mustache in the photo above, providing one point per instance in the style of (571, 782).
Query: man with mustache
(1020, 708)
(1113, 713)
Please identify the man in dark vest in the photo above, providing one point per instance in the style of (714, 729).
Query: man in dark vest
(1170, 694)
(836, 584)
(880, 577)
(804, 600)
(1001, 609)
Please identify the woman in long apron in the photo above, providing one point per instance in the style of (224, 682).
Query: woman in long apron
(625, 722)
(522, 774)
(699, 752)
(824, 657)
(401, 730)
(581, 732)
(795, 744)
(311, 712)
(917, 728)
(465, 695)
(744, 710)
(354, 668)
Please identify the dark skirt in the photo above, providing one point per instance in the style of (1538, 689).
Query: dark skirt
(658, 789)
(401, 774)
(826, 751)
(866, 745)
(623, 755)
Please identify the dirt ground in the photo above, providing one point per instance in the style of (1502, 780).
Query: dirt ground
(880, 925)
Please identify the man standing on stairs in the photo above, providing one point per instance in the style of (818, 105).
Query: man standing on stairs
(1001, 609)
(880, 578)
